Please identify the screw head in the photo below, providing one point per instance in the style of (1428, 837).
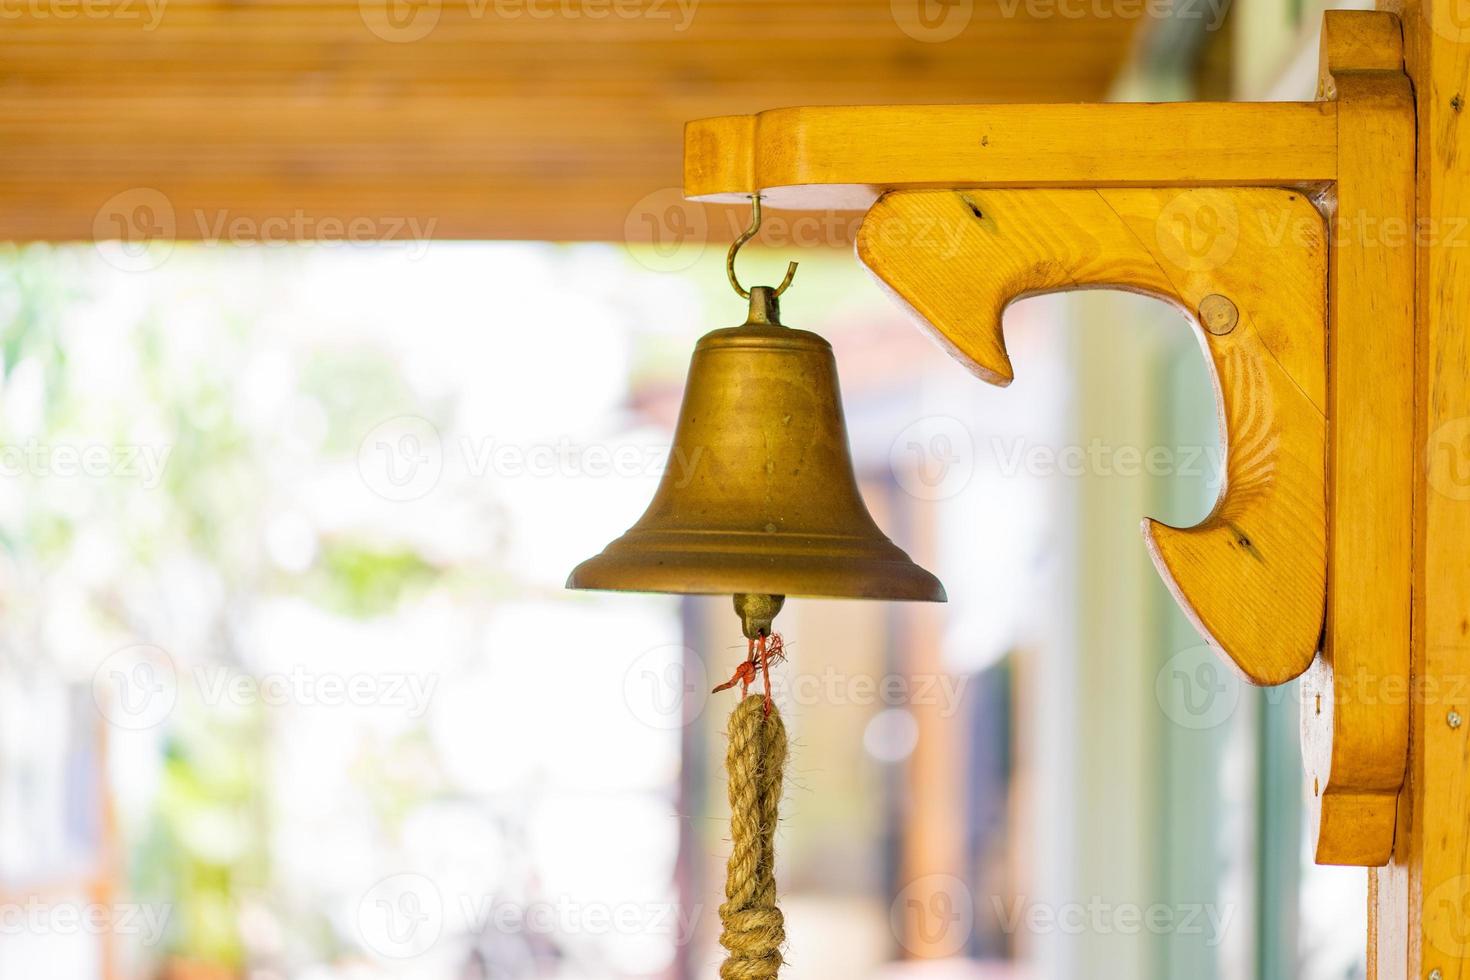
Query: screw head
(1218, 314)
(1454, 719)
(1435, 974)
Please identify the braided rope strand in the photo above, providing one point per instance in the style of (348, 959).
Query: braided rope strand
(754, 929)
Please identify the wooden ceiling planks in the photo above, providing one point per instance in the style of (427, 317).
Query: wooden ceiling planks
(544, 119)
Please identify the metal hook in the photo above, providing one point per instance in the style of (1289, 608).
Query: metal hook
(755, 225)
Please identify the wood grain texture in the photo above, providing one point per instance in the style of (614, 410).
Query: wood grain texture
(845, 157)
(1355, 714)
(1422, 899)
(1252, 574)
(541, 119)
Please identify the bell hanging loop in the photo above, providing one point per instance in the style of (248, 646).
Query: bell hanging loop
(747, 235)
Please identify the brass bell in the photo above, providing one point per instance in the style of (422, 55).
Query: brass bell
(764, 502)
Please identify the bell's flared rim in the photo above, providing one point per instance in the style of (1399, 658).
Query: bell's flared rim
(811, 567)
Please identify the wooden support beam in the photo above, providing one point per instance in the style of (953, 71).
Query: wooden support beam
(1355, 703)
(846, 157)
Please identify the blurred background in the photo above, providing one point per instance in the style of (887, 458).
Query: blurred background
(289, 684)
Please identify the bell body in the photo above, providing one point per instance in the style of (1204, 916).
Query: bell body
(760, 495)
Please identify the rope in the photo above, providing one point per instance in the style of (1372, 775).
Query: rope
(754, 928)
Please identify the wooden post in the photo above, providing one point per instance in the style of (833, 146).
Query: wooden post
(1420, 921)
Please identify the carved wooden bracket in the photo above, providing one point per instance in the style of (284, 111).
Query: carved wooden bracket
(1285, 231)
(1252, 576)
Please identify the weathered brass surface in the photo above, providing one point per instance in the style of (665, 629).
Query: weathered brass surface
(760, 495)
(757, 613)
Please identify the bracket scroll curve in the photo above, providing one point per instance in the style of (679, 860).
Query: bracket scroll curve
(1250, 265)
